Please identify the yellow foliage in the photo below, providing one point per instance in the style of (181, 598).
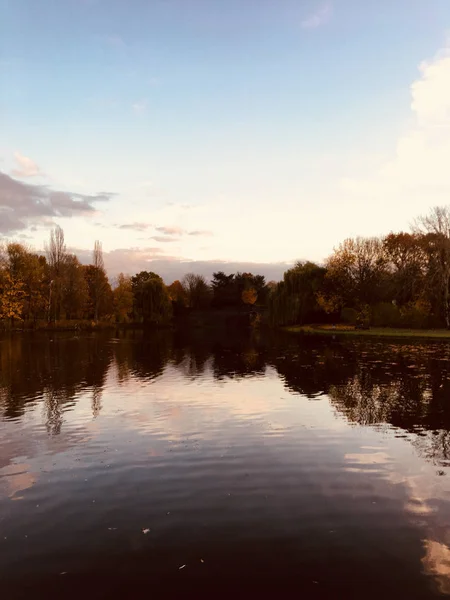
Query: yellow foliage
(249, 296)
(11, 297)
(329, 304)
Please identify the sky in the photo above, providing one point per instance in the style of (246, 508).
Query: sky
(197, 135)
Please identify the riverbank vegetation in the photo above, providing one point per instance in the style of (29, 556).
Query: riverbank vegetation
(54, 290)
(400, 281)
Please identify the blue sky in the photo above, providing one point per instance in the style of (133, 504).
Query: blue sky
(253, 131)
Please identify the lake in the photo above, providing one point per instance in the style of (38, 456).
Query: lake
(186, 462)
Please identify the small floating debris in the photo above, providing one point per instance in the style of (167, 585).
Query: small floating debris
(201, 560)
(112, 528)
(182, 567)
(145, 531)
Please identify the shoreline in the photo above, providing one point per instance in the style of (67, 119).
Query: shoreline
(372, 332)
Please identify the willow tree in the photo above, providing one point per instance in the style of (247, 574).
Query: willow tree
(294, 300)
(151, 300)
(123, 298)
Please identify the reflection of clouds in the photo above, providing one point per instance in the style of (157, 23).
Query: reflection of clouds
(365, 459)
(436, 562)
(16, 478)
(421, 491)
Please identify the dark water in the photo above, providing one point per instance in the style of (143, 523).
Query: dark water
(310, 467)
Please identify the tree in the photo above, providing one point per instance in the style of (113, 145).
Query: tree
(248, 281)
(435, 229)
(249, 296)
(99, 285)
(100, 296)
(224, 289)
(176, 292)
(11, 297)
(407, 264)
(151, 301)
(356, 272)
(29, 269)
(295, 299)
(123, 298)
(56, 258)
(75, 291)
(197, 291)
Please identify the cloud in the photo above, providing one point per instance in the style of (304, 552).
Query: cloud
(198, 232)
(133, 260)
(320, 17)
(135, 226)
(139, 107)
(24, 204)
(26, 167)
(417, 176)
(173, 230)
(165, 238)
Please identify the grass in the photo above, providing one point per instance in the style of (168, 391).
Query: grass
(348, 330)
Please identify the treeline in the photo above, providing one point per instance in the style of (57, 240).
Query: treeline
(55, 288)
(400, 280)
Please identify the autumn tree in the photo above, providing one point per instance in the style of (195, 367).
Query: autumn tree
(30, 270)
(435, 231)
(248, 281)
(11, 297)
(356, 272)
(407, 263)
(249, 296)
(177, 292)
(123, 298)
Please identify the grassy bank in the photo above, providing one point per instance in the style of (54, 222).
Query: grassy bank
(372, 332)
(66, 325)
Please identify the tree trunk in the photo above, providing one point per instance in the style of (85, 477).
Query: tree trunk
(446, 306)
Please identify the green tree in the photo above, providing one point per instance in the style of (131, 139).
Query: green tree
(295, 299)
(75, 291)
(100, 296)
(224, 288)
(123, 298)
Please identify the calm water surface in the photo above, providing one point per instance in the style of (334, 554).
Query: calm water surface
(173, 462)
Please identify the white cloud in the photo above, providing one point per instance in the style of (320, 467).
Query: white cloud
(418, 175)
(25, 166)
(320, 17)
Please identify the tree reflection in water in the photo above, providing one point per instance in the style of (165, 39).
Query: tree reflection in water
(401, 384)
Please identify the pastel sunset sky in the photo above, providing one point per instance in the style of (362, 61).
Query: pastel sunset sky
(189, 134)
